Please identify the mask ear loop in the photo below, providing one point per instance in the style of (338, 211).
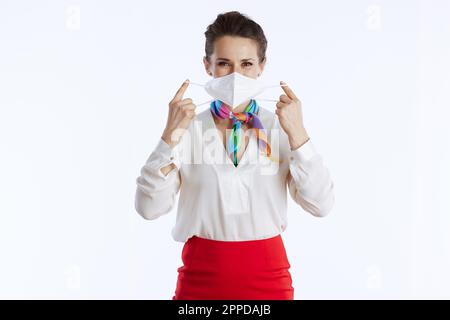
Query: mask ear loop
(198, 84)
(267, 87)
(201, 85)
(277, 85)
(200, 104)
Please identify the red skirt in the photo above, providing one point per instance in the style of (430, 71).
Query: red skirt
(234, 270)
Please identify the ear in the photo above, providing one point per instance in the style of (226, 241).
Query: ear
(207, 66)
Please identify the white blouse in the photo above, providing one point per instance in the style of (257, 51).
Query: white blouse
(222, 202)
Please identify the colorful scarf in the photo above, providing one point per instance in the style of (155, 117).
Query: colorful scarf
(224, 111)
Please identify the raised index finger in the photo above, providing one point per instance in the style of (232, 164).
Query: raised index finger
(179, 95)
(288, 91)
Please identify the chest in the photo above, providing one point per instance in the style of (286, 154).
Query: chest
(224, 129)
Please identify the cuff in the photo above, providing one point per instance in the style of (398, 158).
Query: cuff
(169, 155)
(303, 153)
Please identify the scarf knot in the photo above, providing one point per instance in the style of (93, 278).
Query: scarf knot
(223, 111)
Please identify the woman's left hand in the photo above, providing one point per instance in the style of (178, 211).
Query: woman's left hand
(289, 112)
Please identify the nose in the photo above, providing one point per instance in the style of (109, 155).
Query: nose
(238, 70)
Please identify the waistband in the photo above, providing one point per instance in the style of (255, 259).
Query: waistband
(254, 254)
(224, 243)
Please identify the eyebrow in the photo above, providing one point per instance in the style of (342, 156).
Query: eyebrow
(225, 59)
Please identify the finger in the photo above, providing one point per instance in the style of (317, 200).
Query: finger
(189, 106)
(181, 91)
(190, 114)
(288, 91)
(280, 105)
(285, 98)
(184, 101)
(187, 109)
(278, 112)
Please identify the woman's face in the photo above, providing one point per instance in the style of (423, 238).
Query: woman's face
(234, 54)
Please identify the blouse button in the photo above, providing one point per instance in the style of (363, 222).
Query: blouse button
(292, 158)
(171, 158)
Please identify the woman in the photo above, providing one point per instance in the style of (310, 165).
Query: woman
(231, 210)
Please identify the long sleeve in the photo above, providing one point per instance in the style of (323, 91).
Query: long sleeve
(156, 193)
(309, 181)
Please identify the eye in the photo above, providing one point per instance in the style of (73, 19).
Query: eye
(246, 64)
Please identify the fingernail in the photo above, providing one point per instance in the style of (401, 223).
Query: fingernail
(282, 82)
(186, 81)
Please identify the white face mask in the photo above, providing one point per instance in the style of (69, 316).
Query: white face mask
(234, 89)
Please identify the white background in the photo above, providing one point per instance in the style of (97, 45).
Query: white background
(84, 88)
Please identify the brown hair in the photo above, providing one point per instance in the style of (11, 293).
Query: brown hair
(234, 23)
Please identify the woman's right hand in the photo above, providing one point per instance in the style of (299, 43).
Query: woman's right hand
(181, 113)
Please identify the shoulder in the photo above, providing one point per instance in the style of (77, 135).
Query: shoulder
(203, 115)
(268, 118)
(272, 125)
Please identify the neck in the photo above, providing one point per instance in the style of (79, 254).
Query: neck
(242, 106)
(237, 109)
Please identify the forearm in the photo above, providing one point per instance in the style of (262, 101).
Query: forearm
(165, 170)
(298, 138)
(172, 143)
